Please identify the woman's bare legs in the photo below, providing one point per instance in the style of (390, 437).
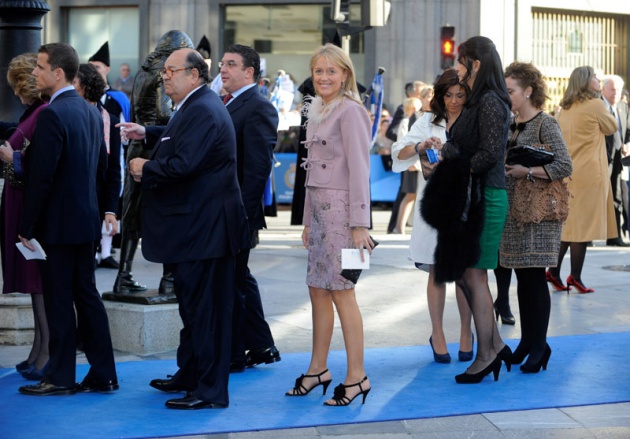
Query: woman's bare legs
(465, 316)
(323, 322)
(352, 327)
(436, 297)
(404, 211)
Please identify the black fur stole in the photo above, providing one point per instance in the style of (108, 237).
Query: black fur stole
(453, 204)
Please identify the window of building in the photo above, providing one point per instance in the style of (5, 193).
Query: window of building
(285, 36)
(89, 28)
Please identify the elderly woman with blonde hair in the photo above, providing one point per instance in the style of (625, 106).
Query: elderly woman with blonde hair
(585, 121)
(20, 275)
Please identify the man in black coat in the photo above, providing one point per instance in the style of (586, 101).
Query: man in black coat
(61, 212)
(255, 123)
(193, 219)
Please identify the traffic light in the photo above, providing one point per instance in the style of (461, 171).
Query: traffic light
(447, 46)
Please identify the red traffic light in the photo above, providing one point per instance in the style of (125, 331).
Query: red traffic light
(448, 47)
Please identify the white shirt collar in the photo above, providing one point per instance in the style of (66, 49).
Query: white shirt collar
(58, 92)
(178, 106)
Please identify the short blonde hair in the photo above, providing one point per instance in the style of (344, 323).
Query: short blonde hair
(426, 91)
(337, 56)
(411, 105)
(20, 76)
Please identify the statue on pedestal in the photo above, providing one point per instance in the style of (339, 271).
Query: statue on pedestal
(149, 106)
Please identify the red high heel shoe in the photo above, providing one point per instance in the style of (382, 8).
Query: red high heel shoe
(580, 287)
(557, 283)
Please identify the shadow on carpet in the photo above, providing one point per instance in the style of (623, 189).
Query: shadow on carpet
(407, 384)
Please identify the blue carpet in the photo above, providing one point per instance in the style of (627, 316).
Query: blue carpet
(583, 370)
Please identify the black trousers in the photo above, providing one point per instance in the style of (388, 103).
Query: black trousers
(69, 284)
(251, 330)
(205, 292)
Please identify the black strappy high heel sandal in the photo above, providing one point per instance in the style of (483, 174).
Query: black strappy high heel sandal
(300, 390)
(340, 397)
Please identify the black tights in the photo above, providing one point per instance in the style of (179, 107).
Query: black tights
(578, 254)
(503, 276)
(534, 306)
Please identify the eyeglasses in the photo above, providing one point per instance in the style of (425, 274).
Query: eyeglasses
(168, 72)
(228, 64)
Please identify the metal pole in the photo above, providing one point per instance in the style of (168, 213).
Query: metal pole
(20, 32)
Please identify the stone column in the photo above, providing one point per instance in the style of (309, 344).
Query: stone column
(20, 32)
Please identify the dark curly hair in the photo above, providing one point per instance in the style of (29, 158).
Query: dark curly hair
(442, 84)
(92, 82)
(527, 75)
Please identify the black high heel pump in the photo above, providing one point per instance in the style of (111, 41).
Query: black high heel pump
(340, 397)
(507, 318)
(519, 354)
(300, 390)
(505, 355)
(474, 378)
(535, 368)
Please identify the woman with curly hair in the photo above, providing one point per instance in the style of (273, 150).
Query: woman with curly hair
(91, 86)
(530, 247)
(585, 121)
(20, 275)
(446, 105)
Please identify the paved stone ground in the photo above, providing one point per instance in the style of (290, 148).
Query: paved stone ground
(393, 303)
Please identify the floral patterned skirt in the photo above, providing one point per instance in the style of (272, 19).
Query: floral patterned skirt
(330, 232)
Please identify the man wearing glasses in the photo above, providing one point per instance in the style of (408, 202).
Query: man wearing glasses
(194, 219)
(256, 123)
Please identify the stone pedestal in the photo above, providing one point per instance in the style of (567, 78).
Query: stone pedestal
(16, 319)
(143, 329)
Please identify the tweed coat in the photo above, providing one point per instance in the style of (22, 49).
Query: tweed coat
(535, 244)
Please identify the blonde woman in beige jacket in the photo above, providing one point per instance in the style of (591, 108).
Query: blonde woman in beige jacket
(585, 121)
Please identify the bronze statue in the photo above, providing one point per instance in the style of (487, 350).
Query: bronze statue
(149, 106)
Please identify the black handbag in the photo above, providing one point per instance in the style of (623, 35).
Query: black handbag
(352, 274)
(528, 156)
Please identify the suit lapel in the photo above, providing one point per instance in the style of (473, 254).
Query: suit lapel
(175, 120)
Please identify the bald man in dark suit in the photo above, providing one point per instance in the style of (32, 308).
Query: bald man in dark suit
(193, 219)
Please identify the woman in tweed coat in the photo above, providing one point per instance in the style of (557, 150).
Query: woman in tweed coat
(531, 247)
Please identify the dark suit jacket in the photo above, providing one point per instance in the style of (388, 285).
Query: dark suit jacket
(67, 152)
(192, 207)
(256, 126)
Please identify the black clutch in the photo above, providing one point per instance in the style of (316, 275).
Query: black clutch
(528, 156)
(352, 274)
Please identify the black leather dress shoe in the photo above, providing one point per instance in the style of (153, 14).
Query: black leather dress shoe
(169, 385)
(617, 242)
(109, 262)
(237, 366)
(191, 402)
(259, 356)
(44, 388)
(89, 384)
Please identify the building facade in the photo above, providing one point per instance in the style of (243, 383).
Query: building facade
(556, 36)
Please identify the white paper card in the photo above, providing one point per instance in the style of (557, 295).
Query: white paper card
(39, 252)
(351, 259)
